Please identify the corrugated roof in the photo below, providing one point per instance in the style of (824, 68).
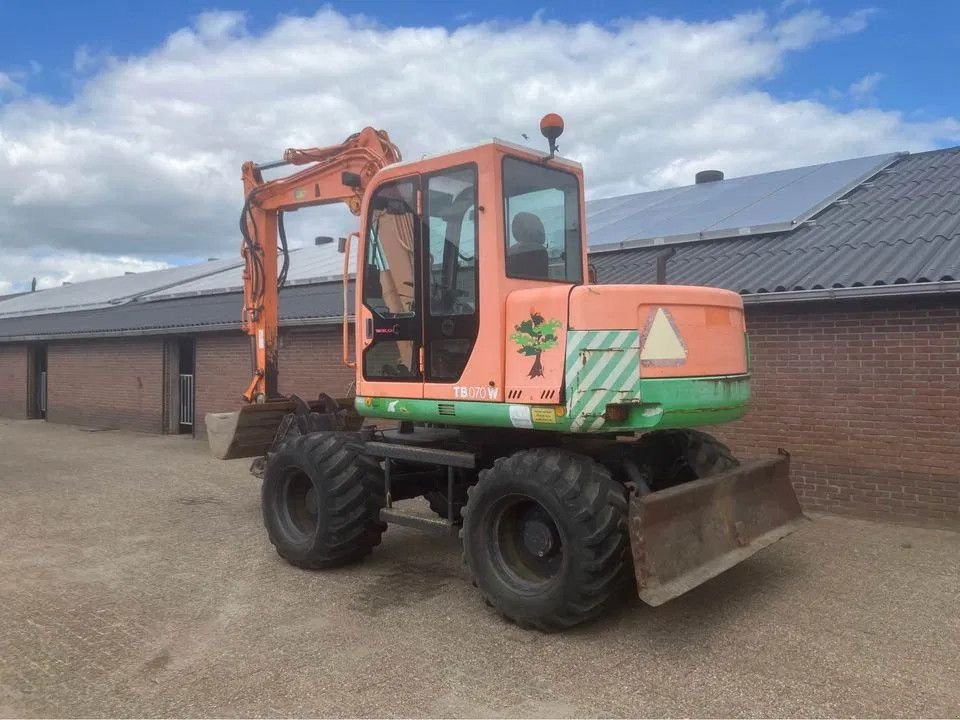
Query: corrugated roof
(750, 205)
(303, 304)
(902, 226)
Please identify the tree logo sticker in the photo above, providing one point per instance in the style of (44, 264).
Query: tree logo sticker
(534, 337)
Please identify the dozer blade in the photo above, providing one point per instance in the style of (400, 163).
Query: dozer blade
(247, 432)
(683, 536)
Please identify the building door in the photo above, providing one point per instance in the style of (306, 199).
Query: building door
(187, 393)
(37, 382)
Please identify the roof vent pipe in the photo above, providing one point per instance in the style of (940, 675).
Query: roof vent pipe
(662, 258)
(708, 176)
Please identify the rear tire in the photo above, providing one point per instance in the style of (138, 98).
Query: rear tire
(321, 500)
(544, 537)
(672, 457)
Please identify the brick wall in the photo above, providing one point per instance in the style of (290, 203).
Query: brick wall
(221, 374)
(110, 383)
(13, 381)
(309, 364)
(867, 400)
(865, 396)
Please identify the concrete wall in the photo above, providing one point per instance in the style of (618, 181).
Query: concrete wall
(867, 400)
(111, 383)
(13, 380)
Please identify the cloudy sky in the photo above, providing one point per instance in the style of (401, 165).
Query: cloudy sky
(121, 136)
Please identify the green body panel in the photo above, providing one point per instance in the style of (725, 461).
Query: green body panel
(655, 403)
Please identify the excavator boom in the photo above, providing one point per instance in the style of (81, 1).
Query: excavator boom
(332, 174)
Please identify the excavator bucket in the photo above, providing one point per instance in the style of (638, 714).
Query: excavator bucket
(247, 432)
(683, 536)
(254, 429)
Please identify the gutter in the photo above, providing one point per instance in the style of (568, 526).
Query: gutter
(172, 330)
(939, 287)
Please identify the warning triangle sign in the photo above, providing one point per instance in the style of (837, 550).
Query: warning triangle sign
(662, 343)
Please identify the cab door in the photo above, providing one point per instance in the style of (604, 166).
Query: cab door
(390, 317)
(450, 282)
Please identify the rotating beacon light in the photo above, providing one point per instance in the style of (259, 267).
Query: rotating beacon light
(551, 127)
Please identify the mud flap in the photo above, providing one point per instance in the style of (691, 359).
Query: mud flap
(683, 536)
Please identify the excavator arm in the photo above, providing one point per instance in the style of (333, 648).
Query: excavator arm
(337, 173)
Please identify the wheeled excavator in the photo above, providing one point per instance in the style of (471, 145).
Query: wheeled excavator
(553, 422)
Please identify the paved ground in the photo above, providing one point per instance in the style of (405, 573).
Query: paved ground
(135, 579)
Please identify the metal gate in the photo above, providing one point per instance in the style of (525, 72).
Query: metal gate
(186, 400)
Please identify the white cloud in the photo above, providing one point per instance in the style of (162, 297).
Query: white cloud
(145, 160)
(83, 59)
(863, 89)
(9, 86)
(53, 268)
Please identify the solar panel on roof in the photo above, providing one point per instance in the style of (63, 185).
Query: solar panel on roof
(314, 263)
(766, 203)
(107, 292)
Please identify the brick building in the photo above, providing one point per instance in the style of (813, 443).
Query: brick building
(853, 308)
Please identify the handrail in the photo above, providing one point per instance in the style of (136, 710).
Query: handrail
(346, 285)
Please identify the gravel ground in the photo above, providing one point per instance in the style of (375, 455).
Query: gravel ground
(136, 579)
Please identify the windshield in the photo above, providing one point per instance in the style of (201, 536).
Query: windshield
(542, 210)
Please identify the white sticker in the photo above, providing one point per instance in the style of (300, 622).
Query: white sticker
(260, 340)
(520, 416)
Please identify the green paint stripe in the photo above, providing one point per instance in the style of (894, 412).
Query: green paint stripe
(667, 403)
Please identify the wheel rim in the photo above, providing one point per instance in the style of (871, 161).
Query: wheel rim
(298, 500)
(528, 549)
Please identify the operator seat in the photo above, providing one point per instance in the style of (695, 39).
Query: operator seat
(527, 257)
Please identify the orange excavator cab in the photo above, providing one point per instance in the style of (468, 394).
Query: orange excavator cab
(486, 360)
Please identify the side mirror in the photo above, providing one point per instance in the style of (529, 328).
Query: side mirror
(342, 245)
(592, 275)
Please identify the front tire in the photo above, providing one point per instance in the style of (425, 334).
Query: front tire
(544, 537)
(321, 500)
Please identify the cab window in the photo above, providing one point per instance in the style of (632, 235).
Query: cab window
(451, 276)
(542, 211)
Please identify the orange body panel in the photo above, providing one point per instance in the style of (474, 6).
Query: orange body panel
(536, 379)
(684, 331)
